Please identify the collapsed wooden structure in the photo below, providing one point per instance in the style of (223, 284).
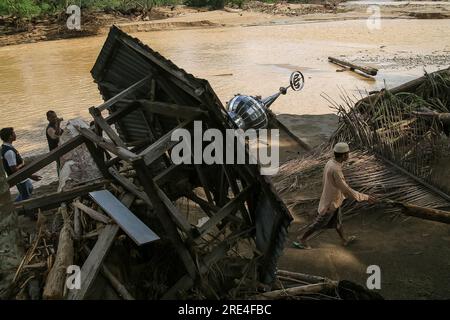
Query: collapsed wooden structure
(148, 97)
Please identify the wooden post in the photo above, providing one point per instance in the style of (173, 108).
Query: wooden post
(11, 251)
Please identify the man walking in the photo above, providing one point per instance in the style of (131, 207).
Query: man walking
(335, 191)
(12, 162)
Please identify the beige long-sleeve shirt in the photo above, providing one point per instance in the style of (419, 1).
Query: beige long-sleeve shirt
(336, 189)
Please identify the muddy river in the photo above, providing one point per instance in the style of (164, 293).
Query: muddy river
(254, 60)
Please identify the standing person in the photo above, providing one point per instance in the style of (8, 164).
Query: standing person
(53, 131)
(335, 191)
(12, 162)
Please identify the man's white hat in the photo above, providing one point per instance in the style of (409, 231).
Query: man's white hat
(341, 147)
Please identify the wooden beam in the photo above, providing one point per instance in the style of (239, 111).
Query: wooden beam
(91, 212)
(95, 259)
(122, 153)
(204, 183)
(172, 110)
(127, 184)
(229, 208)
(173, 172)
(164, 217)
(54, 200)
(177, 216)
(98, 155)
(121, 112)
(45, 160)
(160, 146)
(98, 119)
(115, 283)
(123, 94)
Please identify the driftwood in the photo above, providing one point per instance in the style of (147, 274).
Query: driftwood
(56, 280)
(297, 291)
(368, 70)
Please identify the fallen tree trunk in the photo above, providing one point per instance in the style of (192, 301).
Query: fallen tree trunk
(366, 69)
(56, 280)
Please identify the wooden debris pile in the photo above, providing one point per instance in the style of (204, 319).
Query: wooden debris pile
(154, 229)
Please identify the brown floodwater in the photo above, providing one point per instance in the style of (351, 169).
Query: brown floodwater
(252, 60)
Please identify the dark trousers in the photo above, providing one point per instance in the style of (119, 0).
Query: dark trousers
(25, 190)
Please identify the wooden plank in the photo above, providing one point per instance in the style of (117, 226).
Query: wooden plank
(229, 208)
(95, 259)
(45, 160)
(123, 94)
(172, 110)
(127, 184)
(160, 146)
(177, 216)
(115, 283)
(98, 119)
(128, 222)
(53, 200)
(91, 212)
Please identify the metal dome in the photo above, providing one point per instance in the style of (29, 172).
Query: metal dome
(247, 112)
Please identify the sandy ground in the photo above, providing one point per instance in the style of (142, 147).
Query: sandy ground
(411, 253)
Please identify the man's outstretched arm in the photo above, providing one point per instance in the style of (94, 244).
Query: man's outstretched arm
(349, 193)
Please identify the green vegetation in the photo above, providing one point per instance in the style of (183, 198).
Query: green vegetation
(32, 8)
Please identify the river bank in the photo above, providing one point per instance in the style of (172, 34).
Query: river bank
(177, 17)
